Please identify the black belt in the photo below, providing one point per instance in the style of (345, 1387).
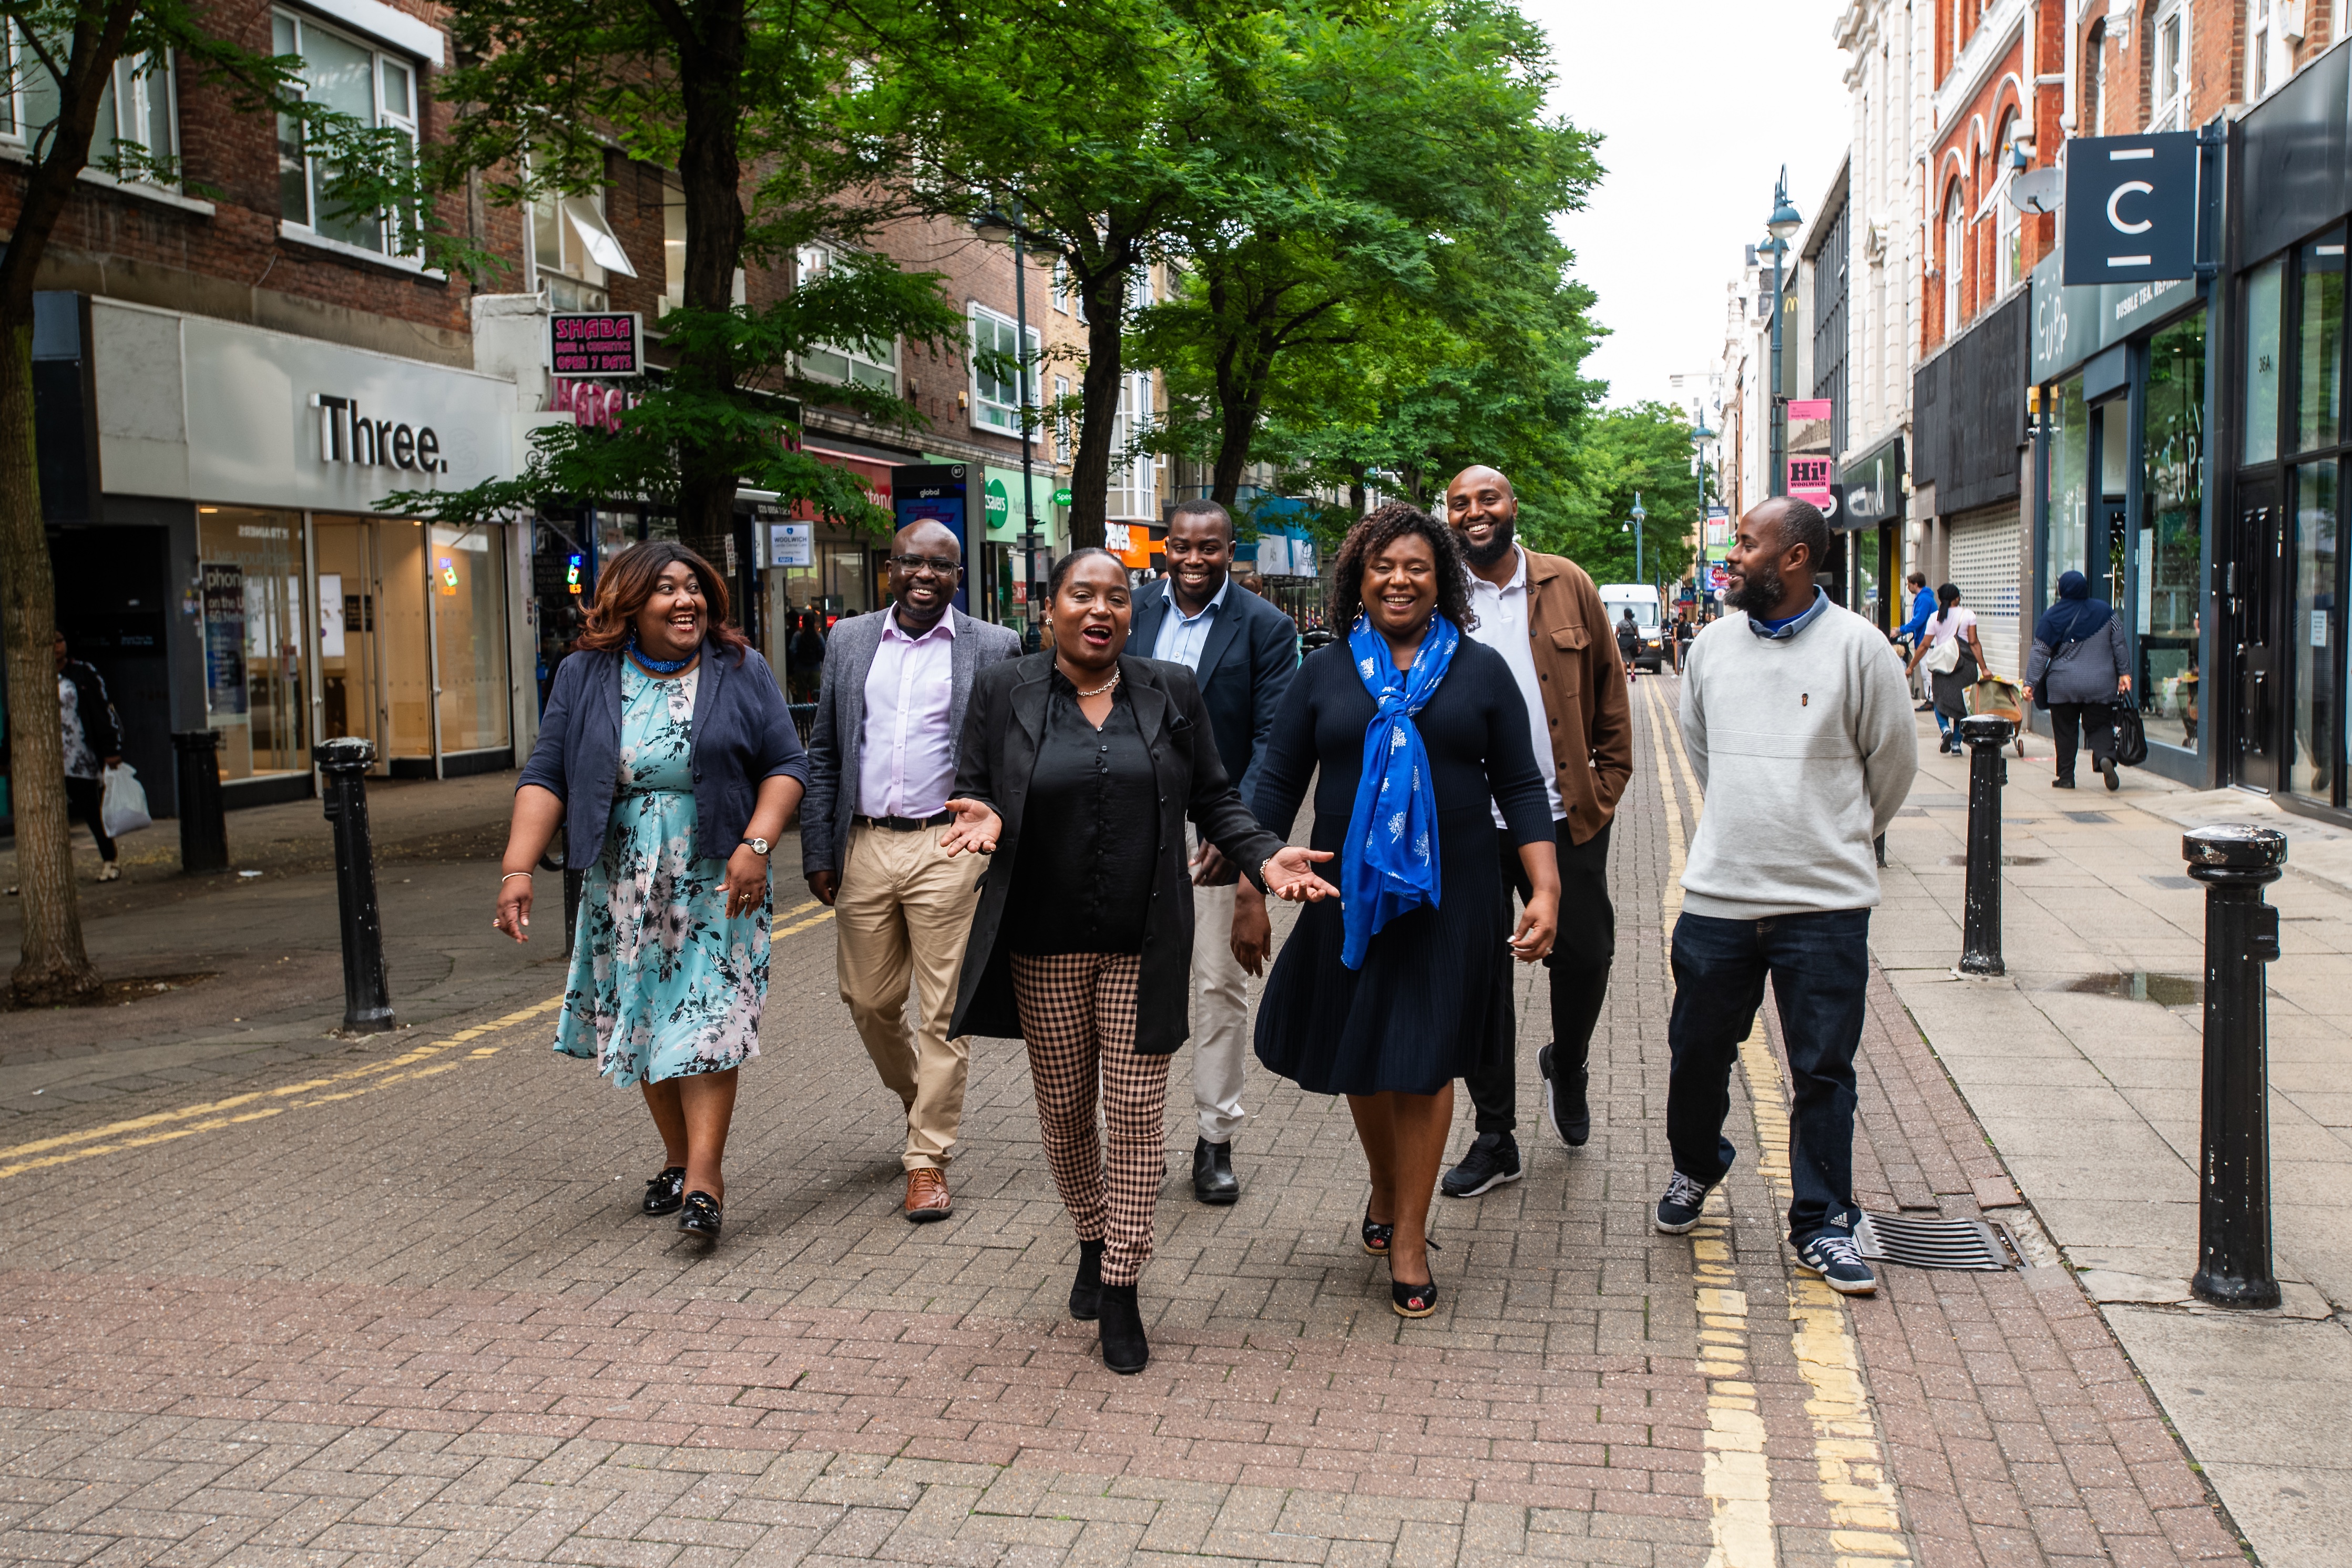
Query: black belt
(905, 824)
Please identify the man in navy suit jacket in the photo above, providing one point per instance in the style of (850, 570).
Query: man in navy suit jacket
(1242, 651)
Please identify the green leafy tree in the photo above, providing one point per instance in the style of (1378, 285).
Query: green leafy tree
(1646, 450)
(68, 57)
(1423, 157)
(760, 105)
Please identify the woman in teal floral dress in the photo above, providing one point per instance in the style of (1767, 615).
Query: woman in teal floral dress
(668, 757)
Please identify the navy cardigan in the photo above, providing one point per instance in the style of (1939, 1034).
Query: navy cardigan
(742, 734)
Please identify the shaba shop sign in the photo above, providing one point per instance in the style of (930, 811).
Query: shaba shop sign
(591, 406)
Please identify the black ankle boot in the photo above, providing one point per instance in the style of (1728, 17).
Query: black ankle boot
(1085, 1291)
(1124, 1348)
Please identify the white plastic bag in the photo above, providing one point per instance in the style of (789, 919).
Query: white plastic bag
(123, 808)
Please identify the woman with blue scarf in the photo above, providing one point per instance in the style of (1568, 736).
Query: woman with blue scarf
(2080, 668)
(1393, 990)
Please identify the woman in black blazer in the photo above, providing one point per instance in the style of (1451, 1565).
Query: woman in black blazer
(667, 756)
(1083, 942)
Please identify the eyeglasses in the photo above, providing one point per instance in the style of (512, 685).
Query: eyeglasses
(936, 565)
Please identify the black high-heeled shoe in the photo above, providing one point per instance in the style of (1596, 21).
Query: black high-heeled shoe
(701, 1216)
(1416, 1301)
(666, 1191)
(1085, 1291)
(1377, 1236)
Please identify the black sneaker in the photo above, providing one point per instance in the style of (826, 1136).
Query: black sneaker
(1492, 1160)
(1838, 1262)
(1678, 1210)
(1567, 1112)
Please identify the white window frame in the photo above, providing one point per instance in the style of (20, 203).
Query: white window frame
(136, 82)
(1956, 242)
(865, 365)
(306, 227)
(1134, 494)
(2008, 232)
(2169, 90)
(2095, 88)
(993, 412)
(1065, 445)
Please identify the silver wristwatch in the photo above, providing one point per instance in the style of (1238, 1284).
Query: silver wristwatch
(759, 846)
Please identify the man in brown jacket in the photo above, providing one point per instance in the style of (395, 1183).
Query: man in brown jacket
(1542, 613)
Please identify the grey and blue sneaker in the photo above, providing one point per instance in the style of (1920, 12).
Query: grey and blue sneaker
(1838, 1262)
(1678, 1210)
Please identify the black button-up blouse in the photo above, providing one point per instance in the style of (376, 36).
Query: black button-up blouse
(1082, 879)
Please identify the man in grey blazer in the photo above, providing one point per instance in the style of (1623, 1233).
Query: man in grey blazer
(1244, 651)
(882, 762)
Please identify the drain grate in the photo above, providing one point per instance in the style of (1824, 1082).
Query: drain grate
(1929, 1243)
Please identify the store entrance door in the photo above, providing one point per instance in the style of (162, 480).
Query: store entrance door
(2251, 590)
(351, 651)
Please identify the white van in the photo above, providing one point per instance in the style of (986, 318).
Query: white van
(1649, 615)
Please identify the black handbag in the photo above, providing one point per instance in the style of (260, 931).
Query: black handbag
(2131, 739)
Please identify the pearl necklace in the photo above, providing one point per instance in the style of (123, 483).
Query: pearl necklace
(1109, 685)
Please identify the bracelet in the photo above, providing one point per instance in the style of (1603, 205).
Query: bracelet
(511, 876)
(1261, 871)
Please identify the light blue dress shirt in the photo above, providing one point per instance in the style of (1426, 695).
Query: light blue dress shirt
(1182, 636)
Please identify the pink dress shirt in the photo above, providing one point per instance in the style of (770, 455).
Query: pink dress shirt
(906, 764)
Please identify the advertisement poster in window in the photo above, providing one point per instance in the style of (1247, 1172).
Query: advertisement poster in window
(224, 603)
(934, 493)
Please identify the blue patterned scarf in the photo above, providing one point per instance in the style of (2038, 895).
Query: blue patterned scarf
(1389, 864)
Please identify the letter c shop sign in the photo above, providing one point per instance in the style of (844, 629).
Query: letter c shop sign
(2131, 209)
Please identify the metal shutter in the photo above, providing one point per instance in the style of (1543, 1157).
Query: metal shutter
(1985, 558)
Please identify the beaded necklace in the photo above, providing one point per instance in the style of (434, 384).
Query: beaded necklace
(659, 666)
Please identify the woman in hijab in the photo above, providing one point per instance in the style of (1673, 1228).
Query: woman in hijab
(1390, 992)
(2079, 670)
(1954, 657)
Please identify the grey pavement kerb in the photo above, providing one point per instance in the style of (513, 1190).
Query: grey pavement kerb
(2092, 1099)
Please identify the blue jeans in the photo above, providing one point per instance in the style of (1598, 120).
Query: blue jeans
(1819, 968)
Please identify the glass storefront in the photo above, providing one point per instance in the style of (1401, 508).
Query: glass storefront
(2069, 480)
(2170, 548)
(250, 582)
(468, 616)
(2318, 745)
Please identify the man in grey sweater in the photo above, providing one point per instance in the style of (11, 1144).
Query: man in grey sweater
(1799, 730)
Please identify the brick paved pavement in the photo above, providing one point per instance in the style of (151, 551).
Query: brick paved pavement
(397, 1308)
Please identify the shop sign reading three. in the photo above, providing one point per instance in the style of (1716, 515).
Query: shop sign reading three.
(345, 435)
(2131, 208)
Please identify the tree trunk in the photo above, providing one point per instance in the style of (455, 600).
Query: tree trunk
(1238, 428)
(1356, 490)
(1106, 298)
(711, 168)
(53, 966)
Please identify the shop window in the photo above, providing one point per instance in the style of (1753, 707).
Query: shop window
(865, 365)
(467, 570)
(377, 90)
(249, 588)
(2265, 301)
(2171, 540)
(2318, 746)
(2070, 481)
(995, 389)
(573, 251)
(2319, 346)
(138, 129)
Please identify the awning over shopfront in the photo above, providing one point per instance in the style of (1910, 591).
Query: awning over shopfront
(1874, 487)
(872, 472)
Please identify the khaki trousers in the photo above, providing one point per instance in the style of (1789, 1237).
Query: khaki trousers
(1221, 1043)
(904, 910)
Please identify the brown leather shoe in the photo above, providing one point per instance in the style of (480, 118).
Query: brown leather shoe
(927, 1197)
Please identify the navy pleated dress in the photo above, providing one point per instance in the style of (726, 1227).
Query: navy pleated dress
(1433, 995)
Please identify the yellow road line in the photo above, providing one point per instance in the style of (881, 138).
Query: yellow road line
(162, 1126)
(1850, 1466)
(815, 919)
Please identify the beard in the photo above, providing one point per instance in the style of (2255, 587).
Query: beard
(1760, 591)
(1495, 548)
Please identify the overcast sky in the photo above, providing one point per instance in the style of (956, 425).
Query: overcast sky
(1701, 103)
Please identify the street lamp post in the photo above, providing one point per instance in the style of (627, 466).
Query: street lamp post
(1700, 436)
(1639, 516)
(1783, 222)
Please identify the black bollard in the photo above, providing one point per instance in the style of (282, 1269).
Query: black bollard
(367, 1000)
(2236, 862)
(204, 819)
(1985, 734)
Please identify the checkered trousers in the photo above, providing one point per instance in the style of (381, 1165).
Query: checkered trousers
(1077, 1015)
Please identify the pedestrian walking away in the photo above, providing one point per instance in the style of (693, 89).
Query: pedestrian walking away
(1683, 631)
(1799, 733)
(882, 759)
(1908, 636)
(1629, 642)
(1544, 615)
(2080, 669)
(1080, 766)
(666, 758)
(1411, 733)
(1954, 660)
(93, 743)
(1242, 652)
(805, 655)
